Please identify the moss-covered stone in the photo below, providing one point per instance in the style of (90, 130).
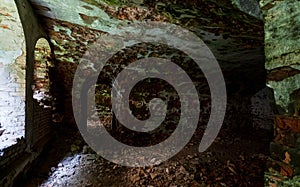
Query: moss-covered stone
(282, 34)
(282, 50)
(250, 7)
(282, 91)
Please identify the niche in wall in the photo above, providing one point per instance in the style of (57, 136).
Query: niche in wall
(42, 62)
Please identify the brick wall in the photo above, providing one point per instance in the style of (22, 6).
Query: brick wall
(10, 154)
(12, 76)
(42, 124)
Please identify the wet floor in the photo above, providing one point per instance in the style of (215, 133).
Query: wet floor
(232, 160)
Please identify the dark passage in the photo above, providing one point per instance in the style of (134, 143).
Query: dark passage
(68, 106)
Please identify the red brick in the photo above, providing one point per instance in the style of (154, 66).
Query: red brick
(288, 123)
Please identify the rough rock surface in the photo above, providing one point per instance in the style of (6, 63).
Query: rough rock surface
(235, 38)
(282, 22)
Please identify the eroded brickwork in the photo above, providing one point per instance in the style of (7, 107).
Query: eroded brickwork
(12, 76)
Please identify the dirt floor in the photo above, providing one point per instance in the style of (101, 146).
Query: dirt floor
(236, 158)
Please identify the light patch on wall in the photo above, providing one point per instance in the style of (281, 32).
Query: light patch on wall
(12, 75)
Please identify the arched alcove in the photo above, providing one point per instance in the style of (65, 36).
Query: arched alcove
(12, 76)
(41, 101)
(42, 62)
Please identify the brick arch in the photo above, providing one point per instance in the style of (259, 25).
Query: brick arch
(33, 32)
